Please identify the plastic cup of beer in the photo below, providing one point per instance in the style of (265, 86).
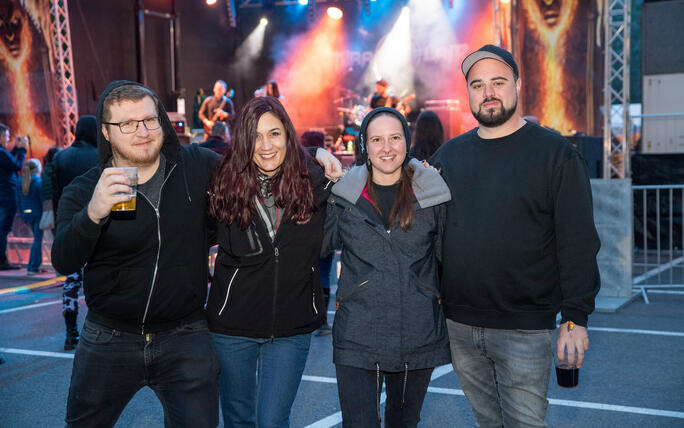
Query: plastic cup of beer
(131, 174)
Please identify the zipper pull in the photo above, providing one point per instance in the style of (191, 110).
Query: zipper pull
(147, 338)
(277, 253)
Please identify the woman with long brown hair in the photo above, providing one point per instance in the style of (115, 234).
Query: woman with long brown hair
(268, 196)
(387, 215)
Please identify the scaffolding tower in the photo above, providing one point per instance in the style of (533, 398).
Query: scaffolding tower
(616, 129)
(64, 72)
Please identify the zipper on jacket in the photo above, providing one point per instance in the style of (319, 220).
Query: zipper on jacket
(230, 284)
(314, 294)
(275, 292)
(156, 263)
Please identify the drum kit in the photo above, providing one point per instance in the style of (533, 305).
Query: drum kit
(351, 107)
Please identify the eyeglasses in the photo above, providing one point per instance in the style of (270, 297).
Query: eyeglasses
(131, 126)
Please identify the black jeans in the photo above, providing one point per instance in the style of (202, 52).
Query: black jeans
(359, 395)
(110, 366)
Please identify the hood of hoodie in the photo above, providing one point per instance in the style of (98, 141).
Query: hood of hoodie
(171, 144)
(86, 130)
(363, 137)
(429, 188)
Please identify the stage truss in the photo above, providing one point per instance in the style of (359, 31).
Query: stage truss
(616, 129)
(64, 72)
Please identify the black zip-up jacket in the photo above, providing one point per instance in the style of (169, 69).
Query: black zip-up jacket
(270, 289)
(148, 274)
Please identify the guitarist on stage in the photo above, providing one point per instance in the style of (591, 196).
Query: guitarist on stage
(215, 108)
(383, 98)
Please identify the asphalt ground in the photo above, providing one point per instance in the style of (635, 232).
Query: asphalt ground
(632, 376)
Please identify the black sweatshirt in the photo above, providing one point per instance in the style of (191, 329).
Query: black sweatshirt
(520, 242)
(146, 274)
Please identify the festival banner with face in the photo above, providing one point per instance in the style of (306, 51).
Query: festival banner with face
(27, 103)
(560, 57)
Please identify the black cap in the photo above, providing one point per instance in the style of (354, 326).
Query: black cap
(491, 52)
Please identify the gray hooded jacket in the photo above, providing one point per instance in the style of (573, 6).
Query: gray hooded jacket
(389, 309)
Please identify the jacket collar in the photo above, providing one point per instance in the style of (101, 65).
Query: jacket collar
(429, 188)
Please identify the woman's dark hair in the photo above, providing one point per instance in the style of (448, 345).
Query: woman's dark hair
(272, 89)
(50, 155)
(235, 186)
(402, 210)
(427, 136)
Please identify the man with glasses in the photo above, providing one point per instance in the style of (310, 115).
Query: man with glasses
(145, 277)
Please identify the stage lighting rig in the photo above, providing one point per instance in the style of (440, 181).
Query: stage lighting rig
(303, 2)
(366, 7)
(211, 2)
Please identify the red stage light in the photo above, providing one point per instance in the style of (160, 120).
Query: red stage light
(335, 12)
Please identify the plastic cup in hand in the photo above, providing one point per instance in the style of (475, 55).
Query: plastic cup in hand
(131, 174)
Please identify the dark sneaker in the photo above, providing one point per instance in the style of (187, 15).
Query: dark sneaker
(71, 340)
(7, 266)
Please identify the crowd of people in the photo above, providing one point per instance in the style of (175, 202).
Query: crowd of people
(461, 253)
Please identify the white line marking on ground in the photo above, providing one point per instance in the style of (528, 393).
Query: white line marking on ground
(37, 353)
(635, 331)
(36, 305)
(656, 271)
(319, 379)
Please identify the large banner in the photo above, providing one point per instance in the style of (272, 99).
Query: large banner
(27, 104)
(559, 49)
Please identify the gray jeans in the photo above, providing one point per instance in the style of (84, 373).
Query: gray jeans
(504, 373)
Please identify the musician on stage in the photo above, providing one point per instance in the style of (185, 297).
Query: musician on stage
(218, 107)
(382, 97)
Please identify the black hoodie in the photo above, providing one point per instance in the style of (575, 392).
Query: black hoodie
(147, 274)
(77, 158)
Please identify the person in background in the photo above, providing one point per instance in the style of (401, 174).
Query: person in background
(68, 164)
(428, 135)
(387, 215)
(219, 139)
(216, 108)
(268, 197)
(12, 155)
(48, 189)
(317, 139)
(30, 204)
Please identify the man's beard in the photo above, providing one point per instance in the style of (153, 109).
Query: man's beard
(495, 116)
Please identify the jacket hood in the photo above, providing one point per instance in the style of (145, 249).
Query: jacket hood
(86, 130)
(171, 145)
(364, 128)
(429, 187)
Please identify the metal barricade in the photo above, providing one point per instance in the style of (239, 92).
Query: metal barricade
(658, 257)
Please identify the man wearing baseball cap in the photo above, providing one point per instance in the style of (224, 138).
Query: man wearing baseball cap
(519, 247)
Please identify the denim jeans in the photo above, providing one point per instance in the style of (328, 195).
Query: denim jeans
(110, 366)
(8, 209)
(259, 378)
(359, 391)
(504, 373)
(36, 257)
